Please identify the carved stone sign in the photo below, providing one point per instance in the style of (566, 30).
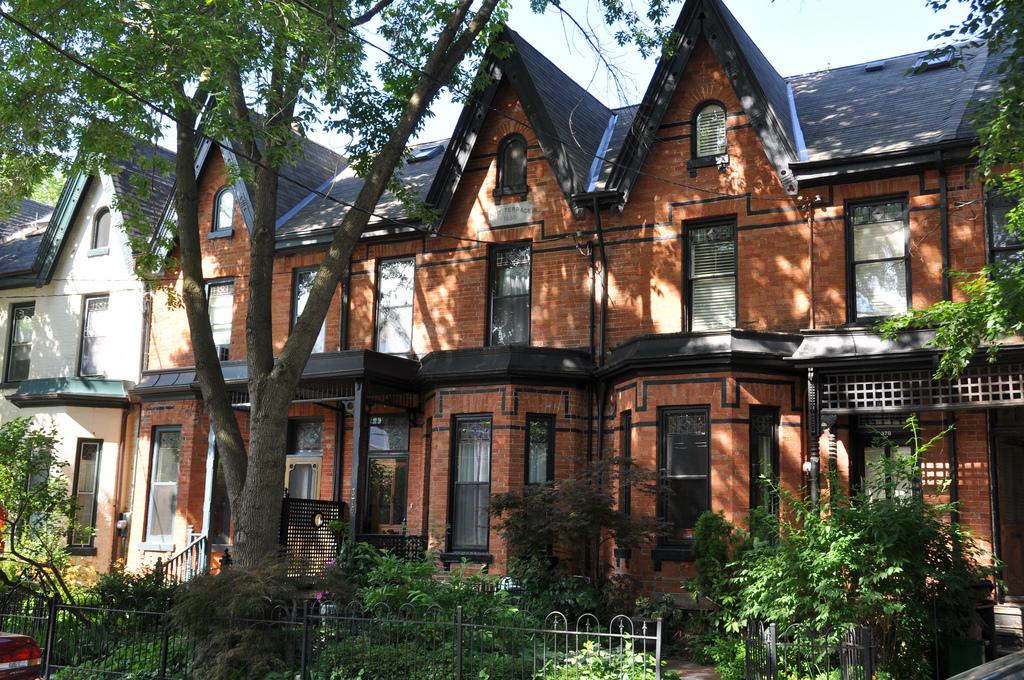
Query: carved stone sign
(510, 213)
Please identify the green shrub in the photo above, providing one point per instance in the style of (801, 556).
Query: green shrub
(595, 663)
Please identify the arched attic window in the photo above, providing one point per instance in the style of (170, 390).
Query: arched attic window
(223, 213)
(101, 229)
(709, 124)
(512, 166)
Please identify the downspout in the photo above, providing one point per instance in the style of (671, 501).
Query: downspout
(118, 496)
(601, 386)
(944, 225)
(814, 427)
(949, 424)
(135, 469)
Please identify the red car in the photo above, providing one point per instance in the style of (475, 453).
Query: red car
(20, 657)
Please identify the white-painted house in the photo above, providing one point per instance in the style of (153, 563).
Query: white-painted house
(73, 319)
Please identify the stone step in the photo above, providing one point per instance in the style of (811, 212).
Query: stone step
(1009, 628)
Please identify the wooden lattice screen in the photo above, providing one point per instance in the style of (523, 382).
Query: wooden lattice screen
(985, 386)
(309, 544)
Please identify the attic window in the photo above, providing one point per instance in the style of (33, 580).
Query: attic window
(426, 152)
(223, 213)
(512, 167)
(710, 139)
(933, 61)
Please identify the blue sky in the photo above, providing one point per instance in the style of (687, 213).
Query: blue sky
(797, 36)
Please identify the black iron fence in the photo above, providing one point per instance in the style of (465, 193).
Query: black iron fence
(325, 641)
(798, 651)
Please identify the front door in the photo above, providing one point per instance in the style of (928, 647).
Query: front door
(1010, 457)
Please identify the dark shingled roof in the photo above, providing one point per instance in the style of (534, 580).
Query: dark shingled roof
(626, 114)
(321, 214)
(851, 111)
(317, 165)
(160, 185)
(20, 237)
(28, 212)
(578, 118)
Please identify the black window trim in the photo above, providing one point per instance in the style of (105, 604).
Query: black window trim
(681, 549)
(10, 339)
(994, 199)
(521, 189)
(477, 553)
(81, 334)
(550, 419)
(210, 283)
(849, 206)
(377, 306)
(703, 161)
(690, 226)
(217, 230)
(90, 547)
(866, 436)
(755, 471)
(492, 264)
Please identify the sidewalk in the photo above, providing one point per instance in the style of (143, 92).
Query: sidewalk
(690, 671)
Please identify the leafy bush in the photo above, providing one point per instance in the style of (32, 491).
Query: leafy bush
(596, 663)
(148, 589)
(885, 557)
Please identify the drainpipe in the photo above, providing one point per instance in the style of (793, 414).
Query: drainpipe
(944, 224)
(949, 423)
(359, 430)
(601, 386)
(814, 425)
(118, 496)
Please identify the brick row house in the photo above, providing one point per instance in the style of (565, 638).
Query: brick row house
(72, 319)
(692, 281)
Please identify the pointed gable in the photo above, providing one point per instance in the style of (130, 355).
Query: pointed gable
(763, 93)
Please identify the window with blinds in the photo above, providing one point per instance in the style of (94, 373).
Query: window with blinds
(712, 277)
(878, 270)
(710, 138)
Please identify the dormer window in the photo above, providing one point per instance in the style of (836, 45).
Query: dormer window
(512, 167)
(710, 136)
(223, 213)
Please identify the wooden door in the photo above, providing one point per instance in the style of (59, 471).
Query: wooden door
(1010, 456)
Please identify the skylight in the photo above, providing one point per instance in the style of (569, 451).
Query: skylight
(933, 61)
(426, 152)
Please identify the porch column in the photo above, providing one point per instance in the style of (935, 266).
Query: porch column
(359, 430)
(814, 428)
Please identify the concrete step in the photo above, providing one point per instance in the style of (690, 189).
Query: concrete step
(1009, 628)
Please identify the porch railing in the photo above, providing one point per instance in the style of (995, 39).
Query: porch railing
(190, 562)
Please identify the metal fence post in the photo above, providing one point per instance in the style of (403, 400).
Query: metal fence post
(773, 651)
(869, 653)
(165, 644)
(657, 652)
(458, 643)
(51, 631)
(305, 638)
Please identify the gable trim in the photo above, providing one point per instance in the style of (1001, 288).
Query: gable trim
(59, 228)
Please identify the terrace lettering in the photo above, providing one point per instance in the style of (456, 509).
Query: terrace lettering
(510, 213)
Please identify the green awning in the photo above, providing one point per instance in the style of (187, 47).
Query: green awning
(92, 392)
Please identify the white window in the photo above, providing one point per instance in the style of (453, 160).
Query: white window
(878, 270)
(472, 483)
(395, 297)
(710, 139)
(87, 470)
(223, 212)
(101, 229)
(99, 348)
(20, 347)
(221, 295)
(163, 485)
(303, 285)
(712, 277)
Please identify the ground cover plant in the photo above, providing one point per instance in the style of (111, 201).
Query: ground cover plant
(887, 556)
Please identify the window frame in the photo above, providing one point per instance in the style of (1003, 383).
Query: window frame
(87, 547)
(11, 344)
(763, 497)
(379, 307)
(163, 542)
(712, 158)
(492, 280)
(664, 412)
(454, 483)
(82, 337)
(223, 352)
(96, 247)
(398, 454)
(293, 453)
(218, 230)
(502, 188)
(995, 202)
(625, 488)
(852, 315)
(866, 436)
(321, 338)
(688, 264)
(549, 464)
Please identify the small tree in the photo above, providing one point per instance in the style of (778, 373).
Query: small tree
(37, 509)
(579, 516)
